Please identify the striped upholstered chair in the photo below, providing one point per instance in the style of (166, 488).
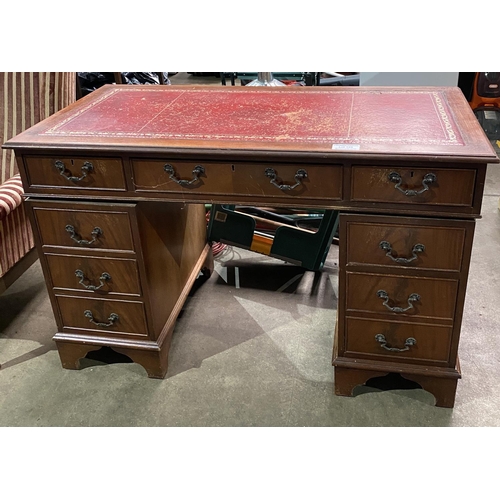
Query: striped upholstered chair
(25, 99)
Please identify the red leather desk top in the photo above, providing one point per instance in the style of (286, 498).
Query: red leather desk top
(419, 121)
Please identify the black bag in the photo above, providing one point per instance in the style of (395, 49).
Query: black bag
(89, 82)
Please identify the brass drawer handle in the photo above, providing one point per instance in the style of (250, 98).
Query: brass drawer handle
(87, 167)
(386, 246)
(111, 320)
(414, 297)
(197, 171)
(428, 179)
(410, 341)
(301, 174)
(96, 232)
(104, 277)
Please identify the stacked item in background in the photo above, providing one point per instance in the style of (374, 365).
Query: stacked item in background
(299, 237)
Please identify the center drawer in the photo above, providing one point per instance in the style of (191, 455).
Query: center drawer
(239, 178)
(430, 298)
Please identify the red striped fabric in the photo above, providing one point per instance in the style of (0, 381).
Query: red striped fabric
(16, 238)
(11, 193)
(25, 99)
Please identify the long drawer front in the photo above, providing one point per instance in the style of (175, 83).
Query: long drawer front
(240, 179)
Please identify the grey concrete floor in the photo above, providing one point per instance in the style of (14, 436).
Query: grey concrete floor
(252, 347)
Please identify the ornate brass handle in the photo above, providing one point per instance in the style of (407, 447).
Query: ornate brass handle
(418, 248)
(111, 320)
(96, 232)
(197, 171)
(104, 277)
(414, 297)
(410, 341)
(87, 167)
(301, 174)
(428, 179)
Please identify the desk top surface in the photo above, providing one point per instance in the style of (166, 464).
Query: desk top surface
(421, 122)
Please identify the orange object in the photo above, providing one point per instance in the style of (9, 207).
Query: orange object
(261, 244)
(486, 91)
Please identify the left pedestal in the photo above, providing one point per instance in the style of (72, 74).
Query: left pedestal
(118, 274)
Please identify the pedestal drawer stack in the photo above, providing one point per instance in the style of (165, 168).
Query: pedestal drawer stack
(91, 258)
(109, 280)
(402, 288)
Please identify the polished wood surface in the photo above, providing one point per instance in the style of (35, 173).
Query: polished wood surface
(239, 178)
(442, 245)
(437, 296)
(432, 343)
(452, 186)
(173, 238)
(114, 224)
(123, 274)
(442, 389)
(103, 173)
(441, 382)
(404, 166)
(131, 316)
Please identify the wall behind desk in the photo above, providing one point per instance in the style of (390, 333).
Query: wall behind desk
(449, 79)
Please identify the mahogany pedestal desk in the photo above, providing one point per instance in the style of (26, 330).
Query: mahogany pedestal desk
(116, 185)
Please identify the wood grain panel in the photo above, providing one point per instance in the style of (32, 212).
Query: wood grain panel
(241, 179)
(149, 175)
(115, 226)
(437, 296)
(432, 342)
(106, 173)
(124, 274)
(322, 181)
(453, 187)
(131, 316)
(443, 246)
(173, 236)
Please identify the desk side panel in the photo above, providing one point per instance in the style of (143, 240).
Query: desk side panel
(173, 238)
